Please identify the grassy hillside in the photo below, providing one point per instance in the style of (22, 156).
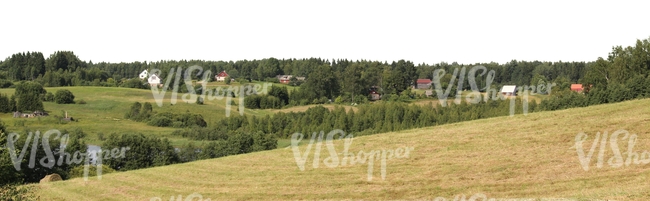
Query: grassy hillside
(105, 107)
(530, 156)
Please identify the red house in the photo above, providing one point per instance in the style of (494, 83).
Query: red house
(221, 76)
(285, 79)
(577, 88)
(374, 95)
(423, 83)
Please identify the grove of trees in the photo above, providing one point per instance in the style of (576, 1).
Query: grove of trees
(144, 113)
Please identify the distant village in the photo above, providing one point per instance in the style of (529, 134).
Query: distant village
(424, 84)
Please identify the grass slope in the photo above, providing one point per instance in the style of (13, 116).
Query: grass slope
(529, 156)
(105, 108)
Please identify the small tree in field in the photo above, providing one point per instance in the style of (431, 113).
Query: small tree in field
(28, 95)
(227, 80)
(63, 96)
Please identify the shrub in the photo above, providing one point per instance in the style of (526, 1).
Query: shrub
(227, 80)
(63, 96)
(81, 102)
(404, 97)
(4, 104)
(241, 80)
(135, 83)
(5, 83)
(338, 100)
(49, 97)
(177, 124)
(386, 97)
(160, 121)
(252, 102)
(17, 192)
(360, 99)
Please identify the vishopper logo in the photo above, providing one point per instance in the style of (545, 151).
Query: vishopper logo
(483, 197)
(617, 160)
(191, 197)
(50, 159)
(475, 197)
(475, 96)
(190, 97)
(348, 158)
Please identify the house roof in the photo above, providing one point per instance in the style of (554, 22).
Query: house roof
(508, 89)
(576, 86)
(286, 77)
(153, 79)
(144, 74)
(423, 81)
(222, 74)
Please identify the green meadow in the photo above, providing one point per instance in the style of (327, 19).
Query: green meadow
(105, 108)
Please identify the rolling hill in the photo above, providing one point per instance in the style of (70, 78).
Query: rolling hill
(533, 156)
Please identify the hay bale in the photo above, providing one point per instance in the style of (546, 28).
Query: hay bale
(51, 178)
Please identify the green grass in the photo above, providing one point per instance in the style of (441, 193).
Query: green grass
(529, 156)
(105, 108)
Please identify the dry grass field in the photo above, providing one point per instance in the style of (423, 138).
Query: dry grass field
(531, 156)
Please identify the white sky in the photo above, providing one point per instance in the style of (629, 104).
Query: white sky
(420, 31)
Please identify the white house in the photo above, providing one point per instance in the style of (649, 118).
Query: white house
(144, 74)
(221, 77)
(154, 80)
(509, 90)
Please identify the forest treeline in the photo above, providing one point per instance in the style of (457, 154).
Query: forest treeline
(325, 79)
(350, 81)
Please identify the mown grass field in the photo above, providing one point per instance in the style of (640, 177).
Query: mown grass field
(531, 156)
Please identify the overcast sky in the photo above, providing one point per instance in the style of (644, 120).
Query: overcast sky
(420, 31)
